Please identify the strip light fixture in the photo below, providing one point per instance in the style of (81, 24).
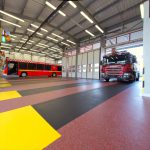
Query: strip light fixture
(5, 47)
(72, 4)
(10, 23)
(24, 39)
(52, 39)
(65, 43)
(40, 46)
(13, 35)
(6, 44)
(71, 42)
(99, 28)
(18, 46)
(35, 26)
(86, 16)
(54, 8)
(52, 49)
(34, 31)
(43, 44)
(7, 14)
(31, 41)
(142, 10)
(39, 33)
(57, 36)
(89, 33)
(56, 48)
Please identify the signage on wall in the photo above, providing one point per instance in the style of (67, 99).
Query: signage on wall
(6, 36)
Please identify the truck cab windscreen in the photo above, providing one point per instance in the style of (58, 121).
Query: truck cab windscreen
(118, 59)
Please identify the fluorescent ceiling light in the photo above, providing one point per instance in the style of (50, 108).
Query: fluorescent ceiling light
(65, 43)
(44, 30)
(5, 47)
(43, 44)
(52, 39)
(52, 49)
(40, 46)
(54, 8)
(30, 30)
(89, 33)
(87, 17)
(71, 42)
(10, 23)
(99, 28)
(56, 48)
(142, 10)
(7, 14)
(57, 36)
(18, 46)
(63, 14)
(6, 44)
(24, 39)
(13, 35)
(12, 39)
(50, 5)
(24, 47)
(36, 32)
(31, 41)
(35, 26)
(72, 4)
(39, 33)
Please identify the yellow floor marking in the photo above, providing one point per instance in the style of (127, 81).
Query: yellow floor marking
(2, 85)
(3, 81)
(25, 129)
(9, 95)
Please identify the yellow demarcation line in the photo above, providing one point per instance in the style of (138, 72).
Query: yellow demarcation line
(9, 95)
(25, 129)
(4, 83)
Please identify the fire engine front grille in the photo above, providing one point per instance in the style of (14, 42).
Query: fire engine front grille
(115, 70)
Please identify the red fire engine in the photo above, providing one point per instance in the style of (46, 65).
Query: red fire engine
(120, 65)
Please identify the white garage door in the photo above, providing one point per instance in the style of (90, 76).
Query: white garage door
(90, 65)
(84, 65)
(64, 67)
(70, 67)
(79, 73)
(73, 66)
(96, 65)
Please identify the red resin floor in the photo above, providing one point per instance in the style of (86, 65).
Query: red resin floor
(119, 122)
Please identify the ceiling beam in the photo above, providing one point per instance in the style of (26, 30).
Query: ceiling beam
(47, 24)
(113, 16)
(133, 19)
(96, 13)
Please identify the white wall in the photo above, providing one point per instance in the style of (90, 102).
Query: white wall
(146, 42)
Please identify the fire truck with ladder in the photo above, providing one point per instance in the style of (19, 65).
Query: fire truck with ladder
(120, 65)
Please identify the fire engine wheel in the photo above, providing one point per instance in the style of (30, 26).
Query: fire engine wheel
(54, 75)
(23, 74)
(107, 80)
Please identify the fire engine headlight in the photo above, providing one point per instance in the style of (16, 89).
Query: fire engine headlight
(126, 74)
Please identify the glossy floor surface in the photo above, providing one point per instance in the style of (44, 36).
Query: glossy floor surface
(75, 114)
